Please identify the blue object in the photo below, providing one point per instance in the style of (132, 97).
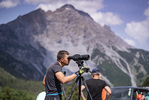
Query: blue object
(95, 70)
(54, 94)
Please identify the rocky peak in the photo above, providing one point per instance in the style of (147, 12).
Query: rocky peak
(68, 6)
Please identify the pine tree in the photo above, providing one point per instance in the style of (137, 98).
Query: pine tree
(146, 82)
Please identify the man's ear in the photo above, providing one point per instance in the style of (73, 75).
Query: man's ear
(61, 59)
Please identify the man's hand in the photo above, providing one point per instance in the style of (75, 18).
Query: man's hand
(83, 69)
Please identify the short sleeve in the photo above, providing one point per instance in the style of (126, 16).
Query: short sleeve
(57, 68)
(105, 84)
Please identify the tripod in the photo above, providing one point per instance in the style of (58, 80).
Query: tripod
(79, 78)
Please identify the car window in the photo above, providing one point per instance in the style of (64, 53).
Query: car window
(120, 94)
(140, 91)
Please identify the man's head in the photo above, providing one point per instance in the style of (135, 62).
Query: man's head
(62, 56)
(96, 72)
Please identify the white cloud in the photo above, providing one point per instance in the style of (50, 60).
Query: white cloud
(36, 1)
(9, 3)
(146, 12)
(139, 30)
(107, 18)
(130, 42)
(90, 6)
(47, 7)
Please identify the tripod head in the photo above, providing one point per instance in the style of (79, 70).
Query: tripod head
(80, 63)
(82, 69)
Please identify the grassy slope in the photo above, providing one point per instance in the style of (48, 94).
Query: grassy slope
(7, 80)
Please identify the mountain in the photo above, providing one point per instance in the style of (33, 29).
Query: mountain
(29, 44)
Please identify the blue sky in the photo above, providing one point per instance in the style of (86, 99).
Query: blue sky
(129, 19)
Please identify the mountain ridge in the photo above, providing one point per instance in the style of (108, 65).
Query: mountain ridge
(35, 39)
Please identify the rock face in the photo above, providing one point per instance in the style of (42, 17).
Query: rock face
(29, 44)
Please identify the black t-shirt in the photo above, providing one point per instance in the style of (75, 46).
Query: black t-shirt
(95, 87)
(52, 84)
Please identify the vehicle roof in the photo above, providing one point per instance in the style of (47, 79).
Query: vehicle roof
(147, 88)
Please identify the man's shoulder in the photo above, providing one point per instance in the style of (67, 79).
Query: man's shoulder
(101, 81)
(55, 67)
(89, 80)
(54, 64)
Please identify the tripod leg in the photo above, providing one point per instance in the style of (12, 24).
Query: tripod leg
(64, 92)
(87, 88)
(73, 88)
(80, 77)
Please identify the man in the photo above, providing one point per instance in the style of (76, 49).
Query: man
(104, 95)
(54, 77)
(95, 86)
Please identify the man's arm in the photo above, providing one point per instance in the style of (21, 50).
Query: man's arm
(82, 95)
(43, 82)
(64, 79)
(107, 88)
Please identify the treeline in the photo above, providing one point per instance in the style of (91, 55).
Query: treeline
(28, 90)
(18, 88)
(15, 94)
(12, 88)
(146, 82)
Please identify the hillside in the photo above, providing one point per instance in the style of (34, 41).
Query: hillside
(12, 88)
(28, 87)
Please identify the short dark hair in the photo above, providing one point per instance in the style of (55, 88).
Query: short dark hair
(61, 54)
